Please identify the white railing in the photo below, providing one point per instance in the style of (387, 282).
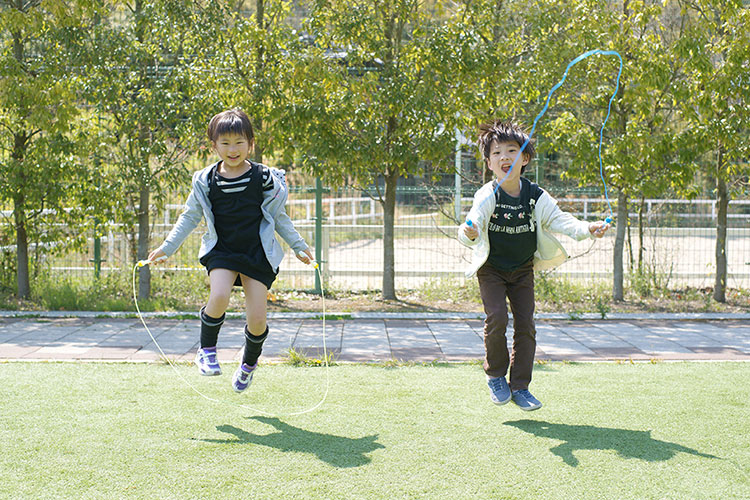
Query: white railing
(650, 210)
(352, 249)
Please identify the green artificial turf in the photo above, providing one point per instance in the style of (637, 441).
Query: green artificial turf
(606, 431)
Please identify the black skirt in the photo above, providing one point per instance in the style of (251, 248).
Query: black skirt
(236, 262)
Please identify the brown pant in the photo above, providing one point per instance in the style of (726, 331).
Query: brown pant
(518, 286)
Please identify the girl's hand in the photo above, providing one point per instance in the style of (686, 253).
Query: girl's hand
(156, 255)
(470, 232)
(305, 256)
(599, 228)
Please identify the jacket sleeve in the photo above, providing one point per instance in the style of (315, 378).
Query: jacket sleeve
(462, 238)
(557, 220)
(286, 230)
(477, 215)
(282, 222)
(186, 223)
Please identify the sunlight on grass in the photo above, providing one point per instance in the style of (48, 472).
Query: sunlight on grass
(607, 431)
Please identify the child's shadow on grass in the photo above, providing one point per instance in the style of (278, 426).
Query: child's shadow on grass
(627, 443)
(338, 451)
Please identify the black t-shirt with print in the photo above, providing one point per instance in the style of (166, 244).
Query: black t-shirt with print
(511, 231)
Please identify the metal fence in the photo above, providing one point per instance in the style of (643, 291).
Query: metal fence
(678, 241)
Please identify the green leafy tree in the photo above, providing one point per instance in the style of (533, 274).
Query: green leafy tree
(44, 174)
(251, 44)
(642, 148)
(716, 106)
(372, 96)
(153, 101)
(517, 45)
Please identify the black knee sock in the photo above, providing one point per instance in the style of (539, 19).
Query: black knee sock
(210, 328)
(253, 346)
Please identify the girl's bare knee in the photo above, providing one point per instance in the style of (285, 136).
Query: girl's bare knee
(256, 325)
(217, 302)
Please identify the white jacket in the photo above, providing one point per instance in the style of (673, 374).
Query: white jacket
(546, 217)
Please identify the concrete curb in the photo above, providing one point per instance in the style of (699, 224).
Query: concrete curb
(380, 315)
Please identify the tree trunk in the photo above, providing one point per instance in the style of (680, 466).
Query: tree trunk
(722, 202)
(498, 23)
(259, 70)
(622, 223)
(19, 202)
(629, 246)
(641, 230)
(389, 218)
(257, 148)
(22, 248)
(144, 273)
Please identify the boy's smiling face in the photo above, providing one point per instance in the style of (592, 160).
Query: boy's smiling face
(502, 155)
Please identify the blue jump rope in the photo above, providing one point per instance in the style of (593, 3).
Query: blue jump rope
(468, 222)
(575, 61)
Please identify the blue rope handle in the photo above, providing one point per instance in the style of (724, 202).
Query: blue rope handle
(572, 63)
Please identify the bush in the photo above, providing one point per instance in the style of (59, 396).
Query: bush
(74, 293)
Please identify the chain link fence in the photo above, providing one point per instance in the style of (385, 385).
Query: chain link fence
(676, 246)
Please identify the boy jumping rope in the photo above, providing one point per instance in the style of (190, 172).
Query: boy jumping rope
(243, 204)
(509, 229)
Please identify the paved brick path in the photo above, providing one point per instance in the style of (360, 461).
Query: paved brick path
(373, 339)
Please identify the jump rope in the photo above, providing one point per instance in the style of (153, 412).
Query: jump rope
(572, 63)
(608, 220)
(315, 265)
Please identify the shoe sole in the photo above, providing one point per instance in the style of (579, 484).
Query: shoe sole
(207, 374)
(241, 390)
(531, 408)
(528, 408)
(501, 403)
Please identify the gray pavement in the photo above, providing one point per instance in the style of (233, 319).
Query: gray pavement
(374, 338)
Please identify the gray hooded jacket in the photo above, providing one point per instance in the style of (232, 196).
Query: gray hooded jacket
(275, 219)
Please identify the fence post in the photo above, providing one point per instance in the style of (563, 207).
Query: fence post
(458, 165)
(319, 233)
(97, 250)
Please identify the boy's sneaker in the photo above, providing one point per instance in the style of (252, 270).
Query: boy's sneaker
(499, 390)
(207, 361)
(525, 400)
(243, 377)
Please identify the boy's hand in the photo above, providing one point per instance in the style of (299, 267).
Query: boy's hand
(470, 232)
(598, 228)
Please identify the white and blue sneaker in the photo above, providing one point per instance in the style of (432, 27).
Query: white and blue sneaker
(499, 390)
(207, 361)
(525, 400)
(243, 377)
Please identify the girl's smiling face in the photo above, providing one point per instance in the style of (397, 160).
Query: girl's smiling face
(502, 155)
(233, 149)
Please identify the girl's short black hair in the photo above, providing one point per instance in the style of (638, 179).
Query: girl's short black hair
(502, 131)
(231, 121)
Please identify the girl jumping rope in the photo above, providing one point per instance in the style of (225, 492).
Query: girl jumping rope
(243, 204)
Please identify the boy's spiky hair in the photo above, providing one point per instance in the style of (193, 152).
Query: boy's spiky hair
(503, 131)
(231, 121)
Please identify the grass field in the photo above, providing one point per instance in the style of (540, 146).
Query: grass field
(607, 431)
